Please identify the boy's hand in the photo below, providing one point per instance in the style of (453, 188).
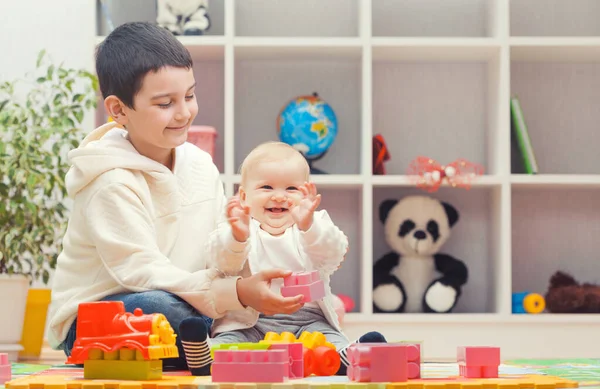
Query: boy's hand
(239, 219)
(304, 210)
(255, 291)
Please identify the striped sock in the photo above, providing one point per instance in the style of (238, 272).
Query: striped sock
(369, 337)
(194, 339)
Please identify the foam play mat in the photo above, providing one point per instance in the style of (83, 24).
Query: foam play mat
(434, 376)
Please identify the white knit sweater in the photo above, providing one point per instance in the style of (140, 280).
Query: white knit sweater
(138, 226)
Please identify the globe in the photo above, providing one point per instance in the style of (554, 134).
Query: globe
(308, 124)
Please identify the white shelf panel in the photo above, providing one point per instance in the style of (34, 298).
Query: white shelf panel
(408, 181)
(472, 318)
(200, 47)
(555, 49)
(327, 180)
(466, 318)
(299, 48)
(435, 49)
(555, 180)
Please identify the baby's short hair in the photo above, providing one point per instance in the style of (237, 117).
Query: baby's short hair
(269, 152)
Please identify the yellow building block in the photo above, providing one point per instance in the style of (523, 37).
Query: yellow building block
(310, 340)
(122, 369)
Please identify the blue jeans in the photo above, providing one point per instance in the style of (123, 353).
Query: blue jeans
(157, 301)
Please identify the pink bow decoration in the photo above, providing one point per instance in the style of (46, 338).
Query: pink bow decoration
(428, 174)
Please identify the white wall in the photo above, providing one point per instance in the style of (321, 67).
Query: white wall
(65, 28)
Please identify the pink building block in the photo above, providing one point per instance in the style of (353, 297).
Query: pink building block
(478, 362)
(413, 359)
(379, 362)
(250, 366)
(308, 284)
(204, 137)
(295, 352)
(5, 369)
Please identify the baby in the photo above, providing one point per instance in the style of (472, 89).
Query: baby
(274, 224)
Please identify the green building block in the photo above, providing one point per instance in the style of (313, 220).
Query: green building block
(238, 346)
(122, 370)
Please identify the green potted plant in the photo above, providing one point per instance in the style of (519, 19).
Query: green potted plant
(40, 121)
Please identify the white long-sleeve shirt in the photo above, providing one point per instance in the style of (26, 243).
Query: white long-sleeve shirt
(322, 247)
(138, 226)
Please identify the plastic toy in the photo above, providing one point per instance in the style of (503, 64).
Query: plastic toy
(380, 154)
(5, 369)
(250, 366)
(478, 362)
(370, 362)
(308, 284)
(320, 357)
(415, 276)
(203, 137)
(295, 365)
(526, 302)
(114, 344)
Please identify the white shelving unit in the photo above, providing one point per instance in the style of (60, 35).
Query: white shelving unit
(434, 77)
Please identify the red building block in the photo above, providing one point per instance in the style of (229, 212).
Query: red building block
(250, 366)
(308, 284)
(5, 369)
(378, 362)
(478, 362)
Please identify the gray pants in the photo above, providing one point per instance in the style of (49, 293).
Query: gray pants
(305, 319)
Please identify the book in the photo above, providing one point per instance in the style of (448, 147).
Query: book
(519, 128)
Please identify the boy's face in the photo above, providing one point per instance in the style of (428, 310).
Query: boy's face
(164, 109)
(271, 189)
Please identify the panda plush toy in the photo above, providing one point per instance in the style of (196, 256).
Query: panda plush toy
(414, 276)
(183, 17)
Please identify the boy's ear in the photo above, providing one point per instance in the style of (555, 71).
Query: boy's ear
(115, 108)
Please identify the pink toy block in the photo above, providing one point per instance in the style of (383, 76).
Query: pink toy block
(295, 353)
(308, 284)
(413, 358)
(250, 366)
(5, 369)
(378, 362)
(478, 362)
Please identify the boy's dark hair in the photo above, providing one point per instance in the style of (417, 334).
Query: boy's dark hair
(131, 51)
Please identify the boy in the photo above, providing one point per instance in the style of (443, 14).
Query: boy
(276, 213)
(145, 201)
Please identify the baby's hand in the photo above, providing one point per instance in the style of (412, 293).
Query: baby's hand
(239, 219)
(303, 211)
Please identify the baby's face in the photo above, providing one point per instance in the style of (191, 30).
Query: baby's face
(271, 189)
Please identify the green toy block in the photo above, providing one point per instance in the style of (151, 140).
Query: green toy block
(238, 346)
(122, 370)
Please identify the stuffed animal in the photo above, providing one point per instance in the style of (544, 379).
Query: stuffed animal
(414, 276)
(183, 17)
(566, 295)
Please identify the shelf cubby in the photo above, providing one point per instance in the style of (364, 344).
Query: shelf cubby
(554, 229)
(435, 18)
(472, 240)
(264, 85)
(308, 18)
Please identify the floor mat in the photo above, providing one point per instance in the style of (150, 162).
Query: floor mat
(585, 371)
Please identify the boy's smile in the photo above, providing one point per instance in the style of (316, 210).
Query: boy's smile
(162, 112)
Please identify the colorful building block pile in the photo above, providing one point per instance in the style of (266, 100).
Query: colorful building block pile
(308, 284)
